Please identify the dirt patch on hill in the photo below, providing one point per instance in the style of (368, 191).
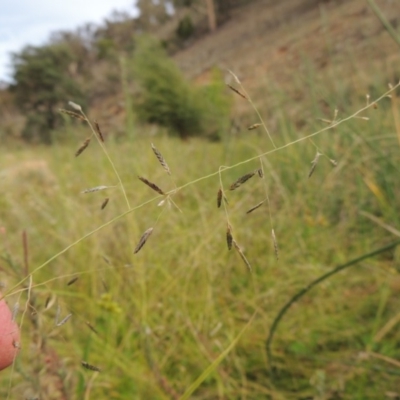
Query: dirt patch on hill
(270, 41)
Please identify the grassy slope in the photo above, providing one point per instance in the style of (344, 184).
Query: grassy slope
(163, 315)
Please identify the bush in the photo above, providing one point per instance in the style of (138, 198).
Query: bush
(167, 99)
(185, 28)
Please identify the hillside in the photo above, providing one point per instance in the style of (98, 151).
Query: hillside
(274, 46)
(271, 46)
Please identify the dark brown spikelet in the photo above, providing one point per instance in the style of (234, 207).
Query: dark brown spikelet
(255, 207)
(83, 147)
(91, 327)
(104, 203)
(151, 185)
(161, 159)
(219, 197)
(260, 173)
(72, 114)
(96, 125)
(242, 256)
(254, 126)
(89, 366)
(229, 237)
(72, 281)
(241, 180)
(236, 91)
(143, 240)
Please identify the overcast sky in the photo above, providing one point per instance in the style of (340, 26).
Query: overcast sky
(25, 22)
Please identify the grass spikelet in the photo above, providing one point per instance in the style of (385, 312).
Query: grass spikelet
(75, 106)
(151, 185)
(275, 244)
(72, 281)
(314, 164)
(333, 162)
(254, 126)
(229, 237)
(62, 322)
(242, 256)
(104, 203)
(255, 207)
(260, 173)
(234, 76)
(96, 189)
(161, 159)
(96, 125)
(91, 327)
(236, 91)
(72, 114)
(83, 147)
(143, 240)
(15, 311)
(89, 366)
(241, 180)
(219, 197)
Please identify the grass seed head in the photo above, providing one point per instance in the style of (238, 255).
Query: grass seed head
(219, 197)
(72, 281)
(242, 256)
(75, 106)
(72, 114)
(104, 203)
(83, 147)
(96, 189)
(275, 244)
(254, 126)
(143, 240)
(314, 164)
(229, 237)
(97, 126)
(161, 159)
(151, 185)
(62, 322)
(236, 91)
(241, 180)
(255, 207)
(89, 366)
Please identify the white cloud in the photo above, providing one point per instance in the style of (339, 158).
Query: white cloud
(24, 22)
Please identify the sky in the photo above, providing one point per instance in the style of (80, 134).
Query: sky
(24, 22)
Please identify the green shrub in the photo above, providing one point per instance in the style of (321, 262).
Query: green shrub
(185, 28)
(167, 99)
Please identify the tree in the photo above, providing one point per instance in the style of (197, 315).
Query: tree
(212, 18)
(43, 82)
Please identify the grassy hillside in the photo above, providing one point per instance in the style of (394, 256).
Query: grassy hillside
(185, 317)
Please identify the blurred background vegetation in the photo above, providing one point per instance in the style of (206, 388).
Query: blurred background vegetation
(155, 321)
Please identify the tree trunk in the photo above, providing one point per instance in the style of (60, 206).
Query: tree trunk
(212, 19)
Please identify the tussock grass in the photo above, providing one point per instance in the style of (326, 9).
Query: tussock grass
(183, 317)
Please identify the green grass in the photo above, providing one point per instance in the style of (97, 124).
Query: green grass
(168, 318)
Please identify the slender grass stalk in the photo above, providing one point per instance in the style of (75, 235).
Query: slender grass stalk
(108, 158)
(385, 22)
(195, 385)
(305, 290)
